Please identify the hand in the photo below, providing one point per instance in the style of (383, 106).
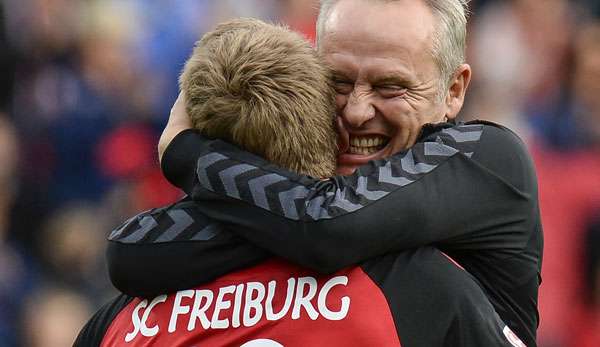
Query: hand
(178, 122)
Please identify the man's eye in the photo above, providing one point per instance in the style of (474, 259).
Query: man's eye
(391, 91)
(343, 87)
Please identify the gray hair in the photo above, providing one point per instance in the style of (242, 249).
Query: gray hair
(449, 40)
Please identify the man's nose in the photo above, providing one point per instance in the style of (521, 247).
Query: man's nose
(358, 109)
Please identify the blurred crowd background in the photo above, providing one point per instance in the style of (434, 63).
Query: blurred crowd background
(86, 87)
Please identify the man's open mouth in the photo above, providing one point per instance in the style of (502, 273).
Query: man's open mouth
(367, 144)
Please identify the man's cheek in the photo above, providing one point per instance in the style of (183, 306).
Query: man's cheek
(404, 122)
(399, 114)
(342, 135)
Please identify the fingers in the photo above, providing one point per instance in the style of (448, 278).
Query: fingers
(178, 122)
(178, 116)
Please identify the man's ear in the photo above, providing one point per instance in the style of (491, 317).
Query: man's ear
(456, 93)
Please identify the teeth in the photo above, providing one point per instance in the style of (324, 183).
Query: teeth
(367, 144)
(363, 150)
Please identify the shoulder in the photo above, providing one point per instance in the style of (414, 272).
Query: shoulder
(499, 134)
(492, 147)
(93, 332)
(484, 134)
(502, 152)
(477, 131)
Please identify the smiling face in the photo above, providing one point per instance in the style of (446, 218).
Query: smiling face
(387, 81)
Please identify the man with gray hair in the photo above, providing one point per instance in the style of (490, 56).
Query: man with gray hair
(286, 92)
(413, 175)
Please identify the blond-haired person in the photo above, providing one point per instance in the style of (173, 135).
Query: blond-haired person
(259, 86)
(414, 175)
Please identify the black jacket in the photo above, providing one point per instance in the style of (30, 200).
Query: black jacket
(469, 190)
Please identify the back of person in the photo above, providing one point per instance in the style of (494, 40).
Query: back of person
(413, 298)
(264, 89)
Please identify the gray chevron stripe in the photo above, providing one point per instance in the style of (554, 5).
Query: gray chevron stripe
(440, 149)
(471, 126)
(362, 189)
(207, 233)
(146, 224)
(203, 163)
(117, 232)
(288, 198)
(228, 178)
(257, 188)
(346, 205)
(315, 210)
(181, 220)
(459, 136)
(409, 165)
(385, 176)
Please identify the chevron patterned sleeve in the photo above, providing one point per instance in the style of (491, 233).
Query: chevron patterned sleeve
(173, 248)
(232, 173)
(445, 190)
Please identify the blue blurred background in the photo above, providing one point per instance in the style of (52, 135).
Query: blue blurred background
(86, 87)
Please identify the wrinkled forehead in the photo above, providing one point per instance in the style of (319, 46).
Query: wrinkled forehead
(378, 36)
(388, 25)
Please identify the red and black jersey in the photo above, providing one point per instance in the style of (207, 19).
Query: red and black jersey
(414, 298)
(468, 189)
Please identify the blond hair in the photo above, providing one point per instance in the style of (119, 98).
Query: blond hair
(263, 87)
